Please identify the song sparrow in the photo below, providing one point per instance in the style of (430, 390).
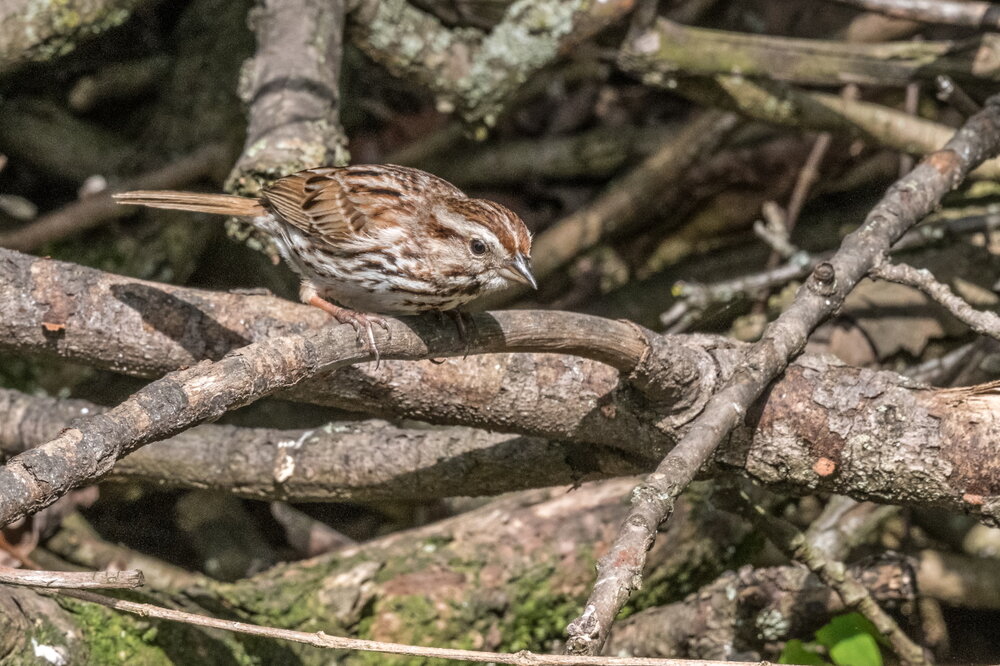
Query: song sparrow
(376, 239)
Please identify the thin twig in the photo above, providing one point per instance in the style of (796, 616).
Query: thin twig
(806, 179)
(713, 622)
(774, 231)
(808, 176)
(695, 298)
(743, 498)
(981, 321)
(631, 198)
(911, 105)
(110, 580)
(323, 640)
(908, 201)
(952, 93)
(98, 209)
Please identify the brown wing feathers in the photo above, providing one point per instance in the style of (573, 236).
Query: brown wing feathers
(217, 204)
(315, 202)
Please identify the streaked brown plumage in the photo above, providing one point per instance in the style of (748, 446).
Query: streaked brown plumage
(377, 238)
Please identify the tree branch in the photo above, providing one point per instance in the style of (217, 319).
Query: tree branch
(107, 580)
(340, 462)
(743, 498)
(673, 49)
(980, 15)
(98, 209)
(146, 329)
(473, 73)
(323, 640)
(463, 579)
(88, 450)
(779, 103)
(30, 32)
(982, 322)
(292, 88)
(780, 603)
(906, 202)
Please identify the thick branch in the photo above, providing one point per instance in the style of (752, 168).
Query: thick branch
(941, 453)
(361, 461)
(673, 49)
(292, 88)
(88, 450)
(33, 32)
(906, 203)
(470, 72)
(147, 329)
(503, 598)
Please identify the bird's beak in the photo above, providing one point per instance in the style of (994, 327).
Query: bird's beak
(519, 270)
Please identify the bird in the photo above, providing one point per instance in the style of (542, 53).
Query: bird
(376, 239)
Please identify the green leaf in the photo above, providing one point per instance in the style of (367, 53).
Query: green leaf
(851, 641)
(797, 652)
(857, 650)
(845, 626)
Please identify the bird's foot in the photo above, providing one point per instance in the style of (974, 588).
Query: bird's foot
(361, 322)
(463, 324)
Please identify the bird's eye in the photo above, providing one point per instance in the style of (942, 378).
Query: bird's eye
(478, 247)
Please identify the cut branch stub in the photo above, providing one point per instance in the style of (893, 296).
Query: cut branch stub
(823, 280)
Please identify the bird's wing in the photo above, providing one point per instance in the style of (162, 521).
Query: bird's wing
(339, 203)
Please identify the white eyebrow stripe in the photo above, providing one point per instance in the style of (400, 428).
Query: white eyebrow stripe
(466, 227)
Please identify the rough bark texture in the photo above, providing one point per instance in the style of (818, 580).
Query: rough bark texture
(502, 577)
(737, 615)
(477, 74)
(32, 31)
(907, 202)
(292, 88)
(341, 462)
(805, 438)
(674, 49)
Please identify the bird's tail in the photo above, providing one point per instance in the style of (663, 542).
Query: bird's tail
(217, 204)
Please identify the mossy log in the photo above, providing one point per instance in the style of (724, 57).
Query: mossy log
(507, 576)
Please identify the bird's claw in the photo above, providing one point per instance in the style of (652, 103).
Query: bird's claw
(460, 318)
(362, 325)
